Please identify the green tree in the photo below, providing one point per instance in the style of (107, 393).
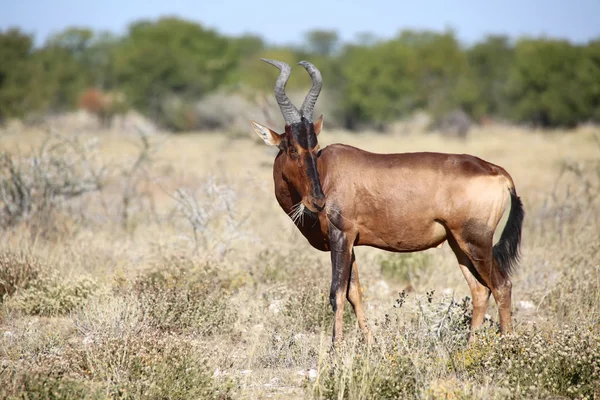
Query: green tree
(591, 74)
(100, 60)
(490, 63)
(549, 83)
(171, 56)
(442, 71)
(58, 72)
(16, 74)
(247, 45)
(74, 41)
(378, 82)
(416, 70)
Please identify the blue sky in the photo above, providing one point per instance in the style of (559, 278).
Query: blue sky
(285, 22)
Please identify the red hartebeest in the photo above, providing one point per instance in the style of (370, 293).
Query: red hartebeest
(397, 202)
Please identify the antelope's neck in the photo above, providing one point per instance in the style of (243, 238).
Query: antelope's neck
(315, 233)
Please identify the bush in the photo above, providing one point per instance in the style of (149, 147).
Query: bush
(565, 362)
(183, 296)
(285, 348)
(46, 384)
(177, 114)
(36, 288)
(122, 348)
(455, 123)
(212, 214)
(51, 294)
(370, 373)
(114, 353)
(17, 271)
(138, 367)
(307, 307)
(279, 266)
(226, 112)
(152, 368)
(404, 267)
(33, 188)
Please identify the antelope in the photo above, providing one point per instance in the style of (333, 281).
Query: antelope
(405, 202)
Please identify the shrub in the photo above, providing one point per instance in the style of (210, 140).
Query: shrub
(151, 368)
(182, 295)
(227, 112)
(213, 216)
(140, 367)
(404, 267)
(114, 353)
(46, 384)
(33, 188)
(285, 348)
(370, 373)
(36, 288)
(455, 123)
(306, 308)
(564, 362)
(177, 114)
(284, 266)
(17, 271)
(51, 294)
(122, 348)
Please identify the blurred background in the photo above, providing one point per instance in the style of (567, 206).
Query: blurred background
(187, 65)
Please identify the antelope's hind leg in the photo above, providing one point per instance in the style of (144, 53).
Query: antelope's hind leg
(479, 292)
(477, 251)
(355, 298)
(502, 290)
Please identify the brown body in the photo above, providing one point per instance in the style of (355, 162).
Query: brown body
(396, 202)
(400, 202)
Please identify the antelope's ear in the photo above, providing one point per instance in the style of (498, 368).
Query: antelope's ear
(318, 125)
(270, 137)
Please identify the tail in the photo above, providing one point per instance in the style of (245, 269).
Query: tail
(506, 251)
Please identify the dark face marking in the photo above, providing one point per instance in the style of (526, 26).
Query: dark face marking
(302, 134)
(302, 148)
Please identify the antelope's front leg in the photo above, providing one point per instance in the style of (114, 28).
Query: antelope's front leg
(341, 262)
(354, 296)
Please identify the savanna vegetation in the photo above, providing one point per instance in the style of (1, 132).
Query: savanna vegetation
(162, 267)
(185, 76)
(145, 265)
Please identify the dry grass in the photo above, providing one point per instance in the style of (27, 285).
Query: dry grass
(180, 277)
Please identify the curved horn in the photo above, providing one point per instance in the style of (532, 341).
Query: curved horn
(290, 112)
(313, 94)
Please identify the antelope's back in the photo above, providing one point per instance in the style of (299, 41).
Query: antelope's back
(399, 200)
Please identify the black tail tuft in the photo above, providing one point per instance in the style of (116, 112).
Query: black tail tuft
(506, 251)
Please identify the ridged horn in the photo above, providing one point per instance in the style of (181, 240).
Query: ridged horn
(290, 112)
(311, 98)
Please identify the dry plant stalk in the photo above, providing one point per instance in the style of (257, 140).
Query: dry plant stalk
(62, 169)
